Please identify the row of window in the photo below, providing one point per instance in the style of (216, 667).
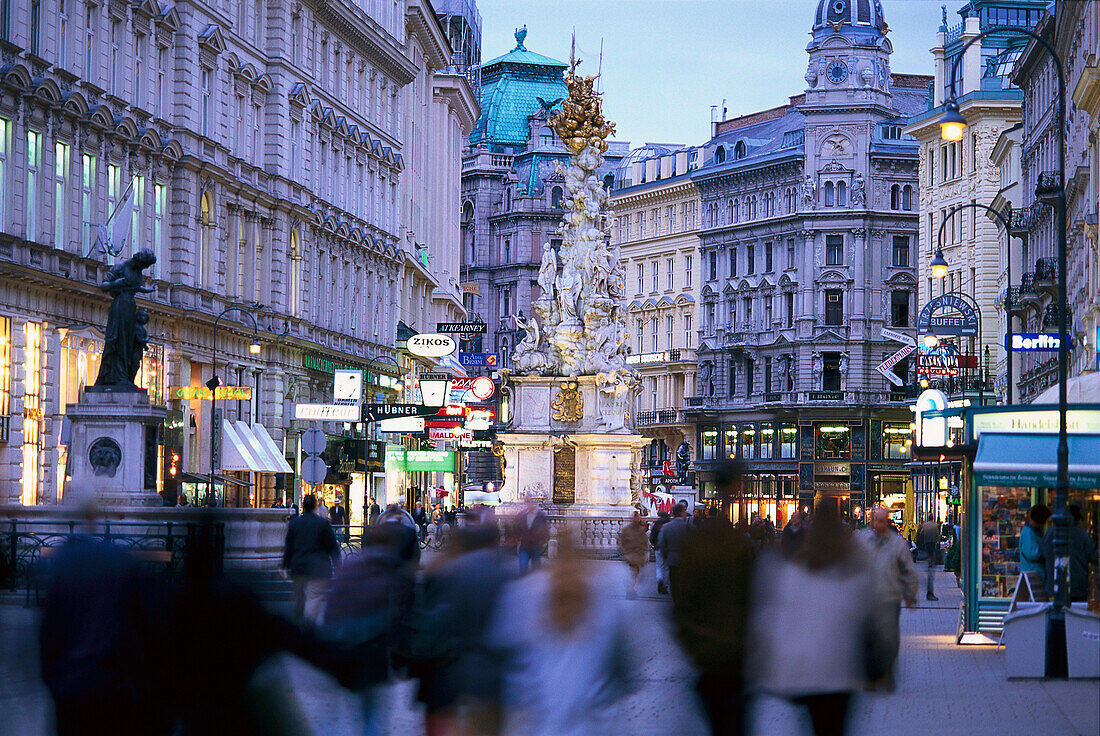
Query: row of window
(900, 311)
(834, 255)
(657, 221)
(772, 440)
(750, 207)
(651, 338)
(670, 274)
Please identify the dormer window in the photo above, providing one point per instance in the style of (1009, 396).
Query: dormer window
(720, 155)
(891, 132)
(546, 136)
(739, 150)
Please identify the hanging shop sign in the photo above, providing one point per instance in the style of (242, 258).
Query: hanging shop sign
(327, 412)
(1035, 342)
(937, 364)
(480, 387)
(347, 387)
(965, 323)
(468, 360)
(430, 460)
(188, 393)
(461, 328)
(450, 434)
(431, 345)
(886, 367)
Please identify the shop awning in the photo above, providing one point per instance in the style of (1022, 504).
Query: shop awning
(1009, 459)
(250, 449)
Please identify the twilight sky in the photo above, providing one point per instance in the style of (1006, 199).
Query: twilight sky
(665, 62)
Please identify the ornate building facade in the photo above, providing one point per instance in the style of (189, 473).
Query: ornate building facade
(962, 173)
(280, 157)
(656, 216)
(512, 189)
(807, 247)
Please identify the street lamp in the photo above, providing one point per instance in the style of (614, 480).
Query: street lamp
(1008, 264)
(949, 126)
(434, 389)
(213, 383)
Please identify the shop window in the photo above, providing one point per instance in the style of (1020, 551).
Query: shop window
(748, 442)
(833, 442)
(5, 378)
(709, 443)
(730, 438)
(1004, 513)
(896, 441)
(767, 441)
(32, 410)
(830, 375)
(788, 441)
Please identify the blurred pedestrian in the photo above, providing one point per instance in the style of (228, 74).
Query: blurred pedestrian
(532, 533)
(824, 592)
(1031, 556)
(309, 555)
(395, 527)
(566, 657)
(659, 556)
(460, 673)
(895, 581)
(1082, 554)
(794, 532)
(373, 511)
(420, 516)
(634, 545)
(671, 544)
(710, 609)
(928, 545)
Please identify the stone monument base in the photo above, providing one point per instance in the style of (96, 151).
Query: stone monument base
(113, 448)
(569, 445)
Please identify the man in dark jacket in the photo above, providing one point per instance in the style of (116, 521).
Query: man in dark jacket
(532, 530)
(659, 556)
(310, 553)
(928, 542)
(1082, 553)
(420, 516)
(671, 544)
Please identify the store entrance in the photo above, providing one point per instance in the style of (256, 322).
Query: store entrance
(840, 504)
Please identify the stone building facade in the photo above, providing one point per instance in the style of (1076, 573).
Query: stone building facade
(278, 154)
(807, 245)
(954, 173)
(655, 208)
(1074, 31)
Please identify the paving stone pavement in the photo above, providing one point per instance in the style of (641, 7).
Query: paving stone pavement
(943, 689)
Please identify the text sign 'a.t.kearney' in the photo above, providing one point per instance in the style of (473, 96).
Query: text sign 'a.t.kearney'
(886, 367)
(461, 328)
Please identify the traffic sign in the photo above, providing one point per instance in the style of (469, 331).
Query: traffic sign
(897, 336)
(461, 328)
(376, 412)
(478, 359)
(314, 470)
(314, 441)
(886, 367)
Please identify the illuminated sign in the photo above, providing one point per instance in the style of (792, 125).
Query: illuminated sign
(647, 358)
(430, 460)
(937, 364)
(931, 431)
(450, 434)
(189, 393)
(328, 412)
(1044, 421)
(431, 346)
(480, 387)
(831, 469)
(347, 387)
(966, 323)
(1034, 342)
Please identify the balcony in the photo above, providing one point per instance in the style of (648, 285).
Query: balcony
(660, 416)
(1027, 286)
(1046, 271)
(1048, 186)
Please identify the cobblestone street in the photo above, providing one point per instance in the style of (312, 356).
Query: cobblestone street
(943, 688)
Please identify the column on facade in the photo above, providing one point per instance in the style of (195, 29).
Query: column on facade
(861, 309)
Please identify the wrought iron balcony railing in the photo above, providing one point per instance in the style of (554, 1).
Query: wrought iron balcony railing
(1046, 269)
(1047, 186)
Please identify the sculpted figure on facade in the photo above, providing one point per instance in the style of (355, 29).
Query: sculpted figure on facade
(816, 368)
(809, 192)
(859, 191)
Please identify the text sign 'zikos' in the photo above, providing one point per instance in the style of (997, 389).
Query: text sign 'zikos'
(431, 346)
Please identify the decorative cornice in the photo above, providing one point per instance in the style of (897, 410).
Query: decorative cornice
(358, 30)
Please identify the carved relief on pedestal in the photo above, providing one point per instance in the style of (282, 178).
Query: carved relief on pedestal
(568, 404)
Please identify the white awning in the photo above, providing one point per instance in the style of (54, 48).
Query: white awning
(250, 449)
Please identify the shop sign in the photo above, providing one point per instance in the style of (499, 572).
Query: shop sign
(401, 425)
(450, 434)
(929, 364)
(480, 387)
(430, 460)
(831, 468)
(475, 360)
(347, 386)
(886, 367)
(471, 287)
(826, 396)
(965, 323)
(1035, 342)
(328, 412)
(647, 358)
(374, 412)
(931, 431)
(431, 345)
(190, 393)
(461, 328)
(1078, 421)
(831, 485)
(474, 445)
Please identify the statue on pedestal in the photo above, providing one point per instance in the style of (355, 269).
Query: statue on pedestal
(126, 336)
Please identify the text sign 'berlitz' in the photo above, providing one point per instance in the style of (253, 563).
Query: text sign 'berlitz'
(1034, 342)
(431, 345)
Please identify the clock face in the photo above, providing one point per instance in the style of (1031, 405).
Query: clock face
(837, 72)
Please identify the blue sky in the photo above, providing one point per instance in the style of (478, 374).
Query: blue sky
(665, 62)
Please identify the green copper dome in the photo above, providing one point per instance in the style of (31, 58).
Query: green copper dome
(514, 87)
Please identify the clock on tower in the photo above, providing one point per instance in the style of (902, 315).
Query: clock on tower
(836, 72)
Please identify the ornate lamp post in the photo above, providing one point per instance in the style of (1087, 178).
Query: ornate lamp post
(952, 124)
(939, 270)
(213, 383)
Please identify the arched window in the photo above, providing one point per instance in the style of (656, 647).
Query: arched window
(546, 135)
(841, 195)
(790, 200)
(206, 241)
(907, 198)
(720, 155)
(736, 210)
(739, 150)
(828, 194)
(555, 197)
(731, 213)
(294, 287)
(753, 215)
(894, 199)
(508, 198)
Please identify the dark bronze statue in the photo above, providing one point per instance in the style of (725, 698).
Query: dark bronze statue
(126, 335)
(683, 462)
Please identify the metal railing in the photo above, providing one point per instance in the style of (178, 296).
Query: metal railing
(1046, 270)
(660, 416)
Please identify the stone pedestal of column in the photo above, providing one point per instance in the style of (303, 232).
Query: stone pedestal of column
(113, 447)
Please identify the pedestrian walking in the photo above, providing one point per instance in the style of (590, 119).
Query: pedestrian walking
(895, 582)
(1031, 556)
(793, 533)
(824, 591)
(634, 546)
(309, 555)
(373, 511)
(710, 610)
(658, 555)
(420, 517)
(565, 653)
(1082, 555)
(532, 532)
(928, 547)
(671, 544)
